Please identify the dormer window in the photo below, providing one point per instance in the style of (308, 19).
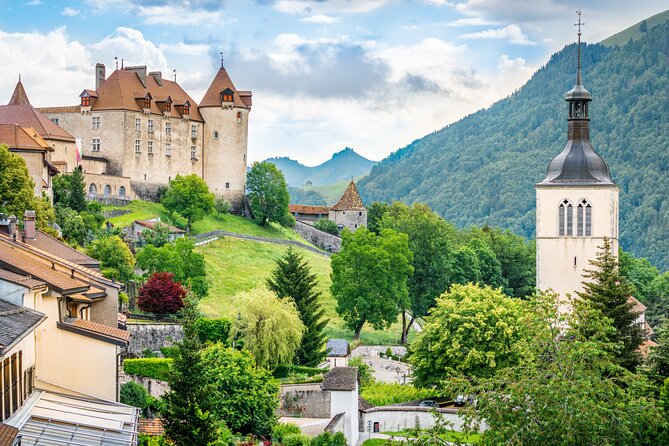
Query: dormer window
(147, 102)
(186, 108)
(227, 95)
(86, 101)
(168, 105)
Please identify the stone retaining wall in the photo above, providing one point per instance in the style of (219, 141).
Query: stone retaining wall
(322, 239)
(155, 387)
(152, 337)
(304, 400)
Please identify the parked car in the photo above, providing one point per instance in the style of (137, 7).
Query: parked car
(429, 403)
(460, 400)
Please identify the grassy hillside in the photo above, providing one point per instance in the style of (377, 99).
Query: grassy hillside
(142, 210)
(635, 32)
(483, 168)
(236, 265)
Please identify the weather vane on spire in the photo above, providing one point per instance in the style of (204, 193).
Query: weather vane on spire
(579, 24)
(221, 59)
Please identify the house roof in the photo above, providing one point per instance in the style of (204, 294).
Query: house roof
(341, 378)
(151, 426)
(212, 98)
(337, 347)
(22, 138)
(308, 210)
(122, 88)
(151, 224)
(15, 323)
(350, 200)
(19, 111)
(95, 330)
(7, 434)
(19, 279)
(638, 307)
(49, 244)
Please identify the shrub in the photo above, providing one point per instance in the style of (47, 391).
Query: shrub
(213, 330)
(136, 395)
(328, 439)
(328, 226)
(296, 440)
(168, 351)
(161, 295)
(281, 430)
(384, 394)
(221, 206)
(365, 374)
(156, 368)
(283, 371)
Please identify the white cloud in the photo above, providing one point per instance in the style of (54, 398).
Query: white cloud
(512, 10)
(327, 6)
(321, 19)
(70, 12)
(512, 73)
(511, 33)
(472, 21)
(178, 15)
(189, 49)
(34, 3)
(130, 44)
(438, 2)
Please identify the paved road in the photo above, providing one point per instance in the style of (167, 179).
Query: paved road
(207, 237)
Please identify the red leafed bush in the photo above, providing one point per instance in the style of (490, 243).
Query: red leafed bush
(160, 294)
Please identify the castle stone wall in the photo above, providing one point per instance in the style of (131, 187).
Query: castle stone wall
(322, 239)
(152, 337)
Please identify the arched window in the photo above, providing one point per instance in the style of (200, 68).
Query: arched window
(121, 191)
(566, 219)
(584, 219)
(107, 190)
(92, 189)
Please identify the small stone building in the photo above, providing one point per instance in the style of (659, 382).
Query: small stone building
(349, 212)
(338, 352)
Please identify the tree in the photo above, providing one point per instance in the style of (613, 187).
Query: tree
(643, 26)
(72, 225)
(327, 226)
(116, 260)
(566, 389)
(189, 197)
(188, 406)
(269, 327)
(180, 259)
(369, 278)
(489, 268)
(245, 395)
(136, 395)
(268, 194)
(375, 213)
(69, 190)
(472, 331)
(609, 292)
(157, 236)
(658, 357)
(658, 300)
(160, 294)
(292, 278)
(431, 242)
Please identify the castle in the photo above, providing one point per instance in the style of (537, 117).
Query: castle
(136, 131)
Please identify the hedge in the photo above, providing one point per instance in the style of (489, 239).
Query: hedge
(156, 368)
(284, 371)
(213, 330)
(384, 394)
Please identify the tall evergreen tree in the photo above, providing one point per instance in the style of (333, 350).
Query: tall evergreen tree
(609, 291)
(292, 278)
(187, 415)
(77, 190)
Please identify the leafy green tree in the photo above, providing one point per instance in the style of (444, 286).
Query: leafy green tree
(292, 278)
(609, 291)
(189, 197)
(222, 206)
(658, 357)
(465, 266)
(116, 260)
(135, 395)
(268, 194)
(69, 190)
(329, 439)
(245, 395)
(365, 375)
(490, 270)
(72, 225)
(269, 327)
(369, 278)
(213, 330)
(188, 412)
(327, 226)
(431, 241)
(658, 300)
(471, 332)
(517, 258)
(375, 213)
(157, 236)
(178, 258)
(566, 389)
(639, 272)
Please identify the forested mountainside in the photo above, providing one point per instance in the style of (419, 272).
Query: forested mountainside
(343, 166)
(482, 169)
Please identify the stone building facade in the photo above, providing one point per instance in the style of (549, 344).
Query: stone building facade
(349, 212)
(144, 130)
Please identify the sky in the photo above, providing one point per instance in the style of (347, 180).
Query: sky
(373, 75)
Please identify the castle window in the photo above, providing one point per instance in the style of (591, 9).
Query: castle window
(96, 122)
(168, 128)
(138, 146)
(121, 192)
(55, 121)
(360, 214)
(92, 189)
(186, 109)
(107, 190)
(86, 101)
(227, 185)
(227, 95)
(95, 145)
(584, 219)
(239, 116)
(149, 147)
(138, 124)
(168, 105)
(168, 149)
(215, 134)
(147, 102)
(192, 152)
(566, 219)
(193, 131)
(150, 126)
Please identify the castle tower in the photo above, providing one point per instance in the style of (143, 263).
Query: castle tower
(577, 202)
(225, 111)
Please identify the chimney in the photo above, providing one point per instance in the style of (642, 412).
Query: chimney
(29, 225)
(158, 76)
(99, 75)
(140, 71)
(13, 227)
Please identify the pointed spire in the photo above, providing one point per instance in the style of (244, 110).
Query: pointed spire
(19, 97)
(579, 80)
(578, 92)
(222, 65)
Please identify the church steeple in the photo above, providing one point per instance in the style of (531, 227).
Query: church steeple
(19, 97)
(578, 163)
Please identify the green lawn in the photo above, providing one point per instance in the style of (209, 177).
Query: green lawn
(235, 265)
(448, 435)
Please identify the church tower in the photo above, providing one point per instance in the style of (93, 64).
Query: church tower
(225, 111)
(577, 202)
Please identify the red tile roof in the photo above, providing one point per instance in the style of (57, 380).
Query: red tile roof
(151, 224)
(212, 98)
(22, 138)
(7, 434)
(150, 426)
(350, 200)
(308, 210)
(19, 111)
(638, 307)
(99, 331)
(20, 279)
